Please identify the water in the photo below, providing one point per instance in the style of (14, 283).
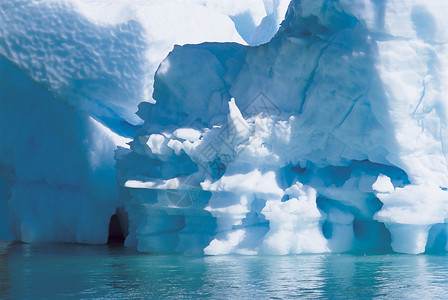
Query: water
(78, 271)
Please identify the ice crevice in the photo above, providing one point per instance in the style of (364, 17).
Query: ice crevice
(350, 110)
(421, 97)
(310, 79)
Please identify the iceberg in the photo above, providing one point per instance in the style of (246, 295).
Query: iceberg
(330, 137)
(326, 133)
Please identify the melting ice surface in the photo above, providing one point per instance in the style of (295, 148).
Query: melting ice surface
(329, 137)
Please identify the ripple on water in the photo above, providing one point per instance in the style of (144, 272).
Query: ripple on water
(74, 271)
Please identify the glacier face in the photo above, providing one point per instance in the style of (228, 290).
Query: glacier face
(329, 137)
(84, 67)
(58, 165)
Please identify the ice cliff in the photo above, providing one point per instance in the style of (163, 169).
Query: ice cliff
(329, 137)
(72, 75)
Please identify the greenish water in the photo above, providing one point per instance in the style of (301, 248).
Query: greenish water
(87, 272)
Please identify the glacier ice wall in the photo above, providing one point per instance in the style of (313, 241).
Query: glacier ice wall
(84, 67)
(57, 164)
(331, 137)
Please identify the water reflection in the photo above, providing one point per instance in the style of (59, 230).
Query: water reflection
(4, 269)
(73, 271)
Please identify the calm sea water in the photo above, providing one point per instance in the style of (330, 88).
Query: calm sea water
(77, 271)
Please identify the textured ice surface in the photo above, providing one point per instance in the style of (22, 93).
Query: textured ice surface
(331, 136)
(334, 141)
(101, 56)
(97, 60)
(58, 165)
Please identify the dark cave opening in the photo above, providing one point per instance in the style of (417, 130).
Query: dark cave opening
(117, 228)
